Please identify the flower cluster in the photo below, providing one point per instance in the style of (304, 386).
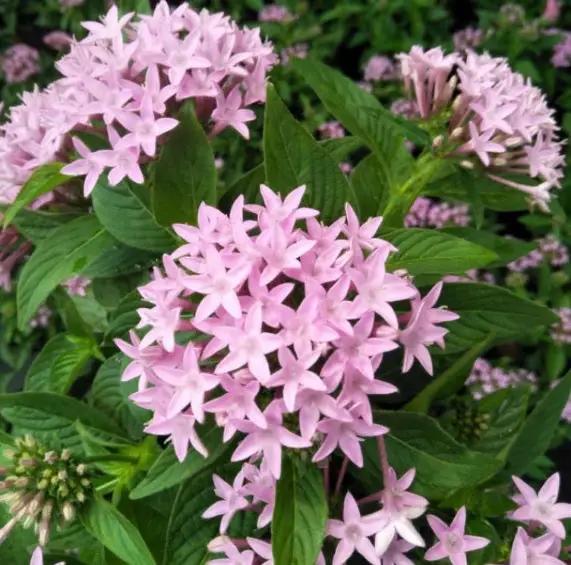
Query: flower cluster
(275, 13)
(485, 378)
(20, 62)
(42, 488)
(467, 38)
(561, 331)
(562, 52)
(331, 130)
(296, 51)
(290, 326)
(77, 286)
(429, 213)
(380, 68)
(494, 117)
(58, 40)
(406, 108)
(549, 250)
(123, 81)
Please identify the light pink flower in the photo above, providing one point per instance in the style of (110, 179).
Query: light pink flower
(353, 532)
(539, 551)
(452, 542)
(542, 506)
(232, 500)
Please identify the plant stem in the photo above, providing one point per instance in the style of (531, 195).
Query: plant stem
(341, 476)
(383, 458)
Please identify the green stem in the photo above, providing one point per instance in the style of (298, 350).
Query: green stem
(111, 457)
(401, 199)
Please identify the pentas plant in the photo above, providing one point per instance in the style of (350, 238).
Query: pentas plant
(494, 118)
(123, 83)
(288, 320)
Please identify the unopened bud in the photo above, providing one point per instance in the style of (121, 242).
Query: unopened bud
(80, 496)
(438, 141)
(65, 455)
(43, 484)
(500, 162)
(457, 133)
(50, 457)
(467, 164)
(21, 482)
(513, 141)
(62, 475)
(63, 491)
(28, 462)
(68, 511)
(80, 469)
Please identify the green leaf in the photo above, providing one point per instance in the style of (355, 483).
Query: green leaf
(293, 158)
(116, 533)
(125, 316)
(538, 429)
(51, 417)
(189, 533)
(449, 381)
(431, 252)
(119, 260)
(442, 464)
(341, 147)
(369, 185)
(168, 471)
(123, 212)
(43, 180)
(485, 309)
(37, 225)
(359, 111)
(17, 547)
(66, 252)
(110, 396)
(185, 174)
(509, 408)
(507, 249)
(58, 364)
(300, 514)
(248, 185)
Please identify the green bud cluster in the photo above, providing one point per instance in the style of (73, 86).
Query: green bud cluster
(43, 487)
(469, 423)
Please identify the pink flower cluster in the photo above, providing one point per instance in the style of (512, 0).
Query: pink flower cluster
(58, 40)
(467, 38)
(406, 108)
(539, 509)
(77, 286)
(549, 250)
(561, 331)
(296, 51)
(275, 13)
(562, 52)
(472, 275)
(331, 130)
(498, 119)
(380, 67)
(485, 378)
(287, 321)
(426, 212)
(123, 81)
(19, 63)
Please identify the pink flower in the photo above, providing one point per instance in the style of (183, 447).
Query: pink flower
(452, 542)
(552, 10)
(378, 68)
(189, 382)
(539, 551)
(232, 500)
(275, 13)
(542, 506)
(58, 40)
(229, 113)
(268, 440)
(181, 432)
(248, 345)
(347, 436)
(38, 557)
(232, 555)
(422, 330)
(353, 532)
(77, 285)
(400, 507)
(395, 553)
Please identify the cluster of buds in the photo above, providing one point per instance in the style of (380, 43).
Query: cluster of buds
(487, 116)
(561, 331)
(19, 63)
(42, 487)
(426, 212)
(549, 251)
